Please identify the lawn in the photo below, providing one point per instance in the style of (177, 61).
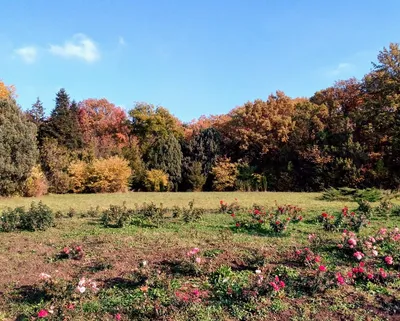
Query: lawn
(145, 272)
(209, 200)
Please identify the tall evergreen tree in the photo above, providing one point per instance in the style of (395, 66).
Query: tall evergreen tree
(202, 150)
(36, 113)
(166, 154)
(37, 116)
(63, 124)
(18, 149)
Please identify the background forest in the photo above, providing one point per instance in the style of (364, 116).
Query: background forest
(344, 135)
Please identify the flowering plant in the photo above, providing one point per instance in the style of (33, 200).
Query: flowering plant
(71, 252)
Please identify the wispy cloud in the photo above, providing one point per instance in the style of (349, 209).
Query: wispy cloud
(121, 41)
(340, 69)
(79, 47)
(28, 54)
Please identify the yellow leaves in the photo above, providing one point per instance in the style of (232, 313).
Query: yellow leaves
(225, 173)
(7, 91)
(156, 180)
(102, 176)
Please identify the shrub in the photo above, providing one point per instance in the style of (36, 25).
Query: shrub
(10, 219)
(36, 184)
(341, 194)
(231, 208)
(55, 160)
(195, 176)
(92, 212)
(109, 175)
(192, 214)
(72, 212)
(277, 218)
(396, 210)
(349, 194)
(156, 180)
(151, 213)
(364, 207)
(384, 208)
(79, 175)
(71, 252)
(369, 194)
(225, 174)
(116, 216)
(38, 217)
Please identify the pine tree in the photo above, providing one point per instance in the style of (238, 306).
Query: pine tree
(166, 154)
(63, 123)
(18, 148)
(36, 113)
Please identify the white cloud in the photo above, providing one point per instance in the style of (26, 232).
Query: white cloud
(80, 47)
(342, 68)
(28, 54)
(121, 41)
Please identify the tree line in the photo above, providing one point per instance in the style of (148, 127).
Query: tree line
(344, 135)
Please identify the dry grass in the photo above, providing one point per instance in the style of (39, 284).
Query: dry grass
(208, 200)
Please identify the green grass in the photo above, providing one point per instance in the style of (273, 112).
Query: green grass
(208, 200)
(115, 254)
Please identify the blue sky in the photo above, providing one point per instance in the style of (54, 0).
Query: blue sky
(193, 57)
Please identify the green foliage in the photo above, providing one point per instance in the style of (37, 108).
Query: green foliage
(55, 160)
(37, 217)
(10, 219)
(63, 124)
(192, 214)
(150, 123)
(204, 147)
(18, 149)
(369, 194)
(365, 208)
(151, 214)
(195, 177)
(133, 155)
(116, 216)
(166, 155)
(352, 194)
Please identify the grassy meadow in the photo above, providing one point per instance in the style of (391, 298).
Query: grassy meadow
(146, 273)
(208, 200)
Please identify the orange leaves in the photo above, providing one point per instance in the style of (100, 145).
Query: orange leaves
(104, 125)
(7, 91)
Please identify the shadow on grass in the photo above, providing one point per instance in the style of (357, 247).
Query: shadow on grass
(259, 232)
(123, 283)
(98, 267)
(28, 294)
(389, 304)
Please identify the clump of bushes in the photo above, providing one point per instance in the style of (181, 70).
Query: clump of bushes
(261, 220)
(148, 214)
(116, 216)
(352, 194)
(347, 219)
(36, 184)
(101, 176)
(37, 217)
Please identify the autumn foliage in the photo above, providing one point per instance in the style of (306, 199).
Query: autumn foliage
(344, 135)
